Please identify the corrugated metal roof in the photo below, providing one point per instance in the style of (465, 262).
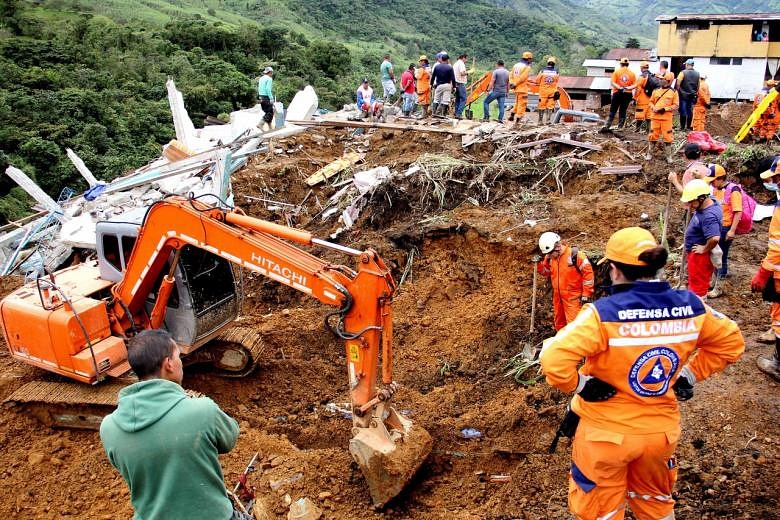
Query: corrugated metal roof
(575, 82)
(632, 54)
(745, 17)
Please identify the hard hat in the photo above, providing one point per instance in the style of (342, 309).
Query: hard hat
(644, 65)
(689, 61)
(702, 76)
(267, 70)
(624, 60)
(423, 58)
(716, 170)
(552, 60)
(772, 171)
(548, 240)
(627, 244)
(695, 189)
(528, 56)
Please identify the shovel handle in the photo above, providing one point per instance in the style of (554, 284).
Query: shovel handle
(533, 299)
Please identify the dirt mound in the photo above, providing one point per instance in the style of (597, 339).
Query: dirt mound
(461, 313)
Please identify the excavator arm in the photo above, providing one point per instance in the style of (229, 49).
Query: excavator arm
(386, 446)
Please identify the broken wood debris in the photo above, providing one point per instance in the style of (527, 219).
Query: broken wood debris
(621, 170)
(335, 167)
(386, 126)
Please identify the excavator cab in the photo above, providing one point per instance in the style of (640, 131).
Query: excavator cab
(203, 303)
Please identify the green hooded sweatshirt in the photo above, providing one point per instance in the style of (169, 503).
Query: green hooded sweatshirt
(165, 445)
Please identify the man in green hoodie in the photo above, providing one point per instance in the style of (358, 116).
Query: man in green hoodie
(166, 444)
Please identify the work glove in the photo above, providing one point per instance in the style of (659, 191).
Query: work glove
(683, 387)
(661, 110)
(760, 279)
(557, 95)
(536, 259)
(593, 389)
(584, 300)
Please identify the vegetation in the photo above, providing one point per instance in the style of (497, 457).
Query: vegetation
(91, 75)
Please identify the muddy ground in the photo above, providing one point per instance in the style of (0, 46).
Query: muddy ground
(462, 312)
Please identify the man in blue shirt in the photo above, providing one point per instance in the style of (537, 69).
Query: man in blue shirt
(702, 235)
(266, 95)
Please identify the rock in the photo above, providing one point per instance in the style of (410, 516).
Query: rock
(260, 511)
(55, 461)
(426, 321)
(287, 499)
(35, 457)
(304, 509)
(324, 495)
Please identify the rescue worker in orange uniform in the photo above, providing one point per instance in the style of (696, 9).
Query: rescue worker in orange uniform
(662, 106)
(518, 79)
(422, 75)
(665, 73)
(623, 84)
(641, 97)
(639, 345)
(766, 126)
(702, 105)
(571, 276)
(769, 273)
(548, 90)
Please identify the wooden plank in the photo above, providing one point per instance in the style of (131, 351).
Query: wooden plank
(22, 221)
(385, 126)
(334, 168)
(581, 144)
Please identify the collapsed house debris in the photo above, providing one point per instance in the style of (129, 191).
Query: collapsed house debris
(199, 162)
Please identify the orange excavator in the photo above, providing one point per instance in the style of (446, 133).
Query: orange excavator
(171, 267)
(480, 86)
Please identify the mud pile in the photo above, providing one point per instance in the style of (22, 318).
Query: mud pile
(462, 312)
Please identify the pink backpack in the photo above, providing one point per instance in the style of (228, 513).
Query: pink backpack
(748, 208)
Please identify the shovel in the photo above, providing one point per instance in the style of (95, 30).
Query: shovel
(684, 255)
(533, 300)
(661, 275)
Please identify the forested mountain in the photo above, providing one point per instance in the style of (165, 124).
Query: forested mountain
(90, 75)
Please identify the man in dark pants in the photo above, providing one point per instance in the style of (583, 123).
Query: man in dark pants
(688, 88)
(266, 95)
(623, 84)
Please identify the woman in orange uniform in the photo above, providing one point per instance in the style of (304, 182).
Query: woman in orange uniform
(638, 346)
(770, 269)
(571, 276)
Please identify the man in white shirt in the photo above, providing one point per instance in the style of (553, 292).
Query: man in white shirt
(461, 80)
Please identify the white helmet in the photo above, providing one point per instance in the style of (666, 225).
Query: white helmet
(548, 240)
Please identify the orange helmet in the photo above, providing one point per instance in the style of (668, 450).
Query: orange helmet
(624, 60)
(644, 65)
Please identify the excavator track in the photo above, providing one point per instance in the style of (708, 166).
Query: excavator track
(233, 353)
(67, 405)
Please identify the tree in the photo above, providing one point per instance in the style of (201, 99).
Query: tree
(632, 43)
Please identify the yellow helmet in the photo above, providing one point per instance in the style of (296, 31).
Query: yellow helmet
(528, 56)
(716, 170)
(624, 60)
(644, 65)
(695, 189)
(552, 60)
(423, 58)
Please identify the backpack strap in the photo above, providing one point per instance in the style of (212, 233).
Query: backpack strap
(574, 252)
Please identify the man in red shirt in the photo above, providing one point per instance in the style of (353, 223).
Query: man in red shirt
(407, 90)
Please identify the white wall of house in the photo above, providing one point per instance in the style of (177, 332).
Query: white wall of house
(732, 81)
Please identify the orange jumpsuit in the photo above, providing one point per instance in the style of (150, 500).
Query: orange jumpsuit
(700, 108)
(641, 99)
(570, 283)
(519, 78)
(423, 77)
(548, 85)
(661, 124)
(638, 340)
(771, 262)
(766, 126)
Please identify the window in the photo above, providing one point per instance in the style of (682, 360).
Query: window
(609, 70)
(111, 251)
(725, 61)
(693, 26)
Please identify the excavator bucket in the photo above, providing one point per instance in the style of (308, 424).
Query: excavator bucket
(389, 452)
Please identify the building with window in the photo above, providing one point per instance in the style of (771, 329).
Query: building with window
(737, 51)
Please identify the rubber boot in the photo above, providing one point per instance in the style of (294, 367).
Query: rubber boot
(637, 126)
(541, 112)
(608, 124)
(668, 152)
(512, 115)
(770, 364)
(621, 123)
(649, 152)
(646, 126)
(683, 122)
